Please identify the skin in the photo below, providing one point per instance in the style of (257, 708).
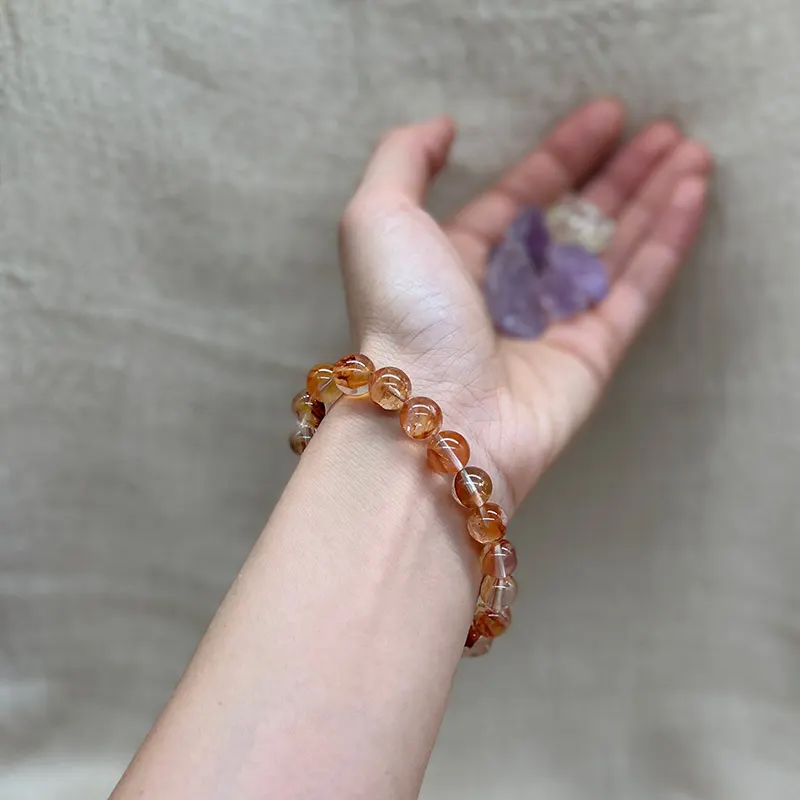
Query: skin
(326, 670)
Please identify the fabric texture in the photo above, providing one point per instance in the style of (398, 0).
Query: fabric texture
(170, 179)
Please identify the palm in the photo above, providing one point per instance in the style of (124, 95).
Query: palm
(424, 304)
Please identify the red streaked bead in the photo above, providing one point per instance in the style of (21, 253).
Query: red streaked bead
(352, 374)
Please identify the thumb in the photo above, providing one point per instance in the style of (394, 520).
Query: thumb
(406, 160)
(379, 234)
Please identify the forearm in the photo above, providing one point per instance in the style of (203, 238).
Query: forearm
(326, 670)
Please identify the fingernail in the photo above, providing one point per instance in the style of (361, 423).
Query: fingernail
(695, 156)
(605, 112)
(689, 193)
(659, 136)
(708, 156)
(439, 119)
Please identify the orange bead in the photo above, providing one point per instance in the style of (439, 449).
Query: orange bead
(448, 452)
(498, 593)
(472, 636)
(499, 559)
(308, 411)
(472, 487)
(476, 645)
(389, 388)
(352, 373)
(321, 386)
(487, 523)
(491, 623)
(420, 417)
(301, 438)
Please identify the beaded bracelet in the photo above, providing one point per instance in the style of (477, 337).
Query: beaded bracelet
(448, 454)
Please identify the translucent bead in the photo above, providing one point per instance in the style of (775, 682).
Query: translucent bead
(472, 487)
(487, 523)
(420, 417)
(499, 559)
(300, 439)
(491, 623)
(472, 636)
(475, 644)
(389, 388)
(308, 411)
(321, 386)
(448, 452)
(498, 593)
(352, 373)
(482, 645)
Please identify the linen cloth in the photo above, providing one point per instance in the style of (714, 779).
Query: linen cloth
(170, 179)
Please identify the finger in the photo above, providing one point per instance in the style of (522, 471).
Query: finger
(382, 222)
(655, 264)
(600, 338)
(407, 159)
(689, 158)
(630, 168)
(567, 157)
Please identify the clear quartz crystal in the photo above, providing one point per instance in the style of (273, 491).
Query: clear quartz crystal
(576, 221)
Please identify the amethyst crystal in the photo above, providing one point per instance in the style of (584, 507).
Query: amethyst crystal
(532, 281)
(586, 271)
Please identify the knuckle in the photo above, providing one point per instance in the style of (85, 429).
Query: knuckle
(367, 208)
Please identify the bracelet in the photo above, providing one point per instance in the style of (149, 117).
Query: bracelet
(448, 454)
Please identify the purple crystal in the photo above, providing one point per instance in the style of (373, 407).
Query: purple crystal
(584, 269)
(512, 292)
(536, 237)
(559, 296)
(531, 282)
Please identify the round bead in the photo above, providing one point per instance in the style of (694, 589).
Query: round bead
(389, 388)
(352, 373)
(320, 384)
(448, 452)
(472, 487)
(300, 439)
(499, 559)
(487, 523)
(472, 636)
(475, 644)
(491, 623)
(498, 593)
(308, 411)
(482, 645)
(420, 417)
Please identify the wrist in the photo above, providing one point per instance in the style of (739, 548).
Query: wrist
(389, 389)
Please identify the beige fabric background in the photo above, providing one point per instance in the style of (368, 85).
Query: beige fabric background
(170, 177)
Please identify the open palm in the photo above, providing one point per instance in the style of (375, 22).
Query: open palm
(414, 286)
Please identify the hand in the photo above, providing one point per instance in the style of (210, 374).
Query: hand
(414, 285)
